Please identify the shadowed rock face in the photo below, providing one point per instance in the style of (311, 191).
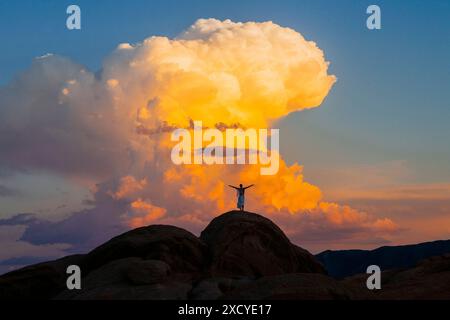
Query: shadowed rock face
(40, 281)
(247, 244)
(345, 263)
(430, 279)
(303, 286)
(180, 249)
(238, 256)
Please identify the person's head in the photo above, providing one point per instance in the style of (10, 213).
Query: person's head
(240, 185)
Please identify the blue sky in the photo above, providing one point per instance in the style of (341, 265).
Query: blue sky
(386, 119)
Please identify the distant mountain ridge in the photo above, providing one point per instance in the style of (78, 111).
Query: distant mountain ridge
(344, 263)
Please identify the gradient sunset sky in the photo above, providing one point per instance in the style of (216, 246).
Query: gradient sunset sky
(377, 147)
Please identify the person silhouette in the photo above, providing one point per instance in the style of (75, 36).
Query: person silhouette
(241, 195)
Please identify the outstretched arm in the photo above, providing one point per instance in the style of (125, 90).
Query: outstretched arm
(233, 186)
(249, 186)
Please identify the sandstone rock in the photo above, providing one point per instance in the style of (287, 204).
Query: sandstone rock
(206, 290)
(164, 291)
(213, 288)
(121, 275)
(307, 262)
(109, 275)
(239, 256)
(304, 286)
(40, 281)
(147, 272)
(180, 249)
(247, 244)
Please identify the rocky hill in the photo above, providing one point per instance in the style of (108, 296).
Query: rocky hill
(238, 256)
(344, 263)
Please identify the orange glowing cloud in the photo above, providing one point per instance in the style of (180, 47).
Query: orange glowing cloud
(129, 186)
(145, 212)
(115, 126)
(219, 71)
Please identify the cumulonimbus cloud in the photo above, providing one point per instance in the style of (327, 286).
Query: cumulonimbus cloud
(59, 116)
